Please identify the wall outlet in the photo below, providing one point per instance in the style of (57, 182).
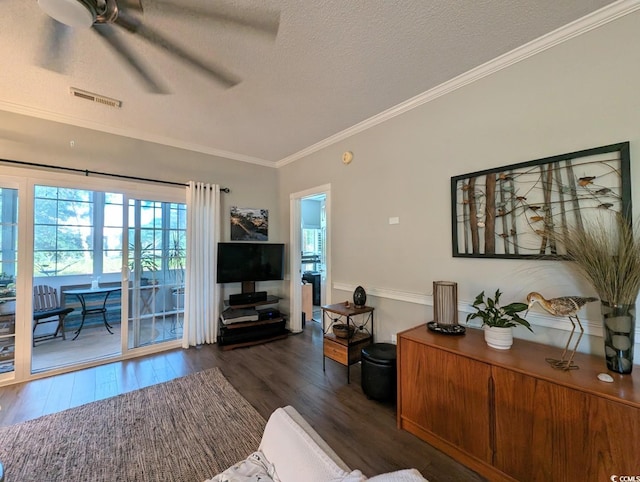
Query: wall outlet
(394, 338)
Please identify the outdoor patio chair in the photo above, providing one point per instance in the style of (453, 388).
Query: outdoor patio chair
(47, 309)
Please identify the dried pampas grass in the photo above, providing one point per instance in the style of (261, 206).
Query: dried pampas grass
(608, 255)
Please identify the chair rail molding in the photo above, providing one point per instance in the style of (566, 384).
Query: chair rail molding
(591, 327)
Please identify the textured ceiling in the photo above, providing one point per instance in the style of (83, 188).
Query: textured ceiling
(334, 63)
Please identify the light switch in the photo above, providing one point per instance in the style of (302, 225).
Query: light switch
(394, 220)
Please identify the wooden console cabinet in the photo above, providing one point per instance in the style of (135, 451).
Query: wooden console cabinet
(509, 416)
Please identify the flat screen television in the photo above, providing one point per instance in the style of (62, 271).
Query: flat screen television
(246, 262)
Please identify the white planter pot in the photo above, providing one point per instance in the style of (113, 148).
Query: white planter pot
(499, 338)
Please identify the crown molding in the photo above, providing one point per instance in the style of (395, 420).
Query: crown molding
(567, 32)
(131, 133)
(583, 25)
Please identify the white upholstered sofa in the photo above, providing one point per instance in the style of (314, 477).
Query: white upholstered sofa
(292, 451)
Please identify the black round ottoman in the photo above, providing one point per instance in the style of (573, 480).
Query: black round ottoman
(379, 371)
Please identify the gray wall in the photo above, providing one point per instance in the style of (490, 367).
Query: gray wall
(25, 138)
(28, 139)
(580, 94)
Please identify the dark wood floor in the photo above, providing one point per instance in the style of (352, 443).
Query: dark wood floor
(287, 372)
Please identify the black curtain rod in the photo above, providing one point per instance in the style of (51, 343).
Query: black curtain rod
(86, 172)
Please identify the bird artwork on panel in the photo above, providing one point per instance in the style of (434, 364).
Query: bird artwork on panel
(563, 306)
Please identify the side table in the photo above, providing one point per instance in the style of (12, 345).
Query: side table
(346, 351)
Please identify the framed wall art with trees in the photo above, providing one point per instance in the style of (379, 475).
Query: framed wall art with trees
(521, 210)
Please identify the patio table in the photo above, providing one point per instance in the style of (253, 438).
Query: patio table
(82, 293)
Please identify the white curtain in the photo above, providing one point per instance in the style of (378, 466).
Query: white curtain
(201, 301)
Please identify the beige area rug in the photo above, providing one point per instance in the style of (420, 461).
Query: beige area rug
(187, 429)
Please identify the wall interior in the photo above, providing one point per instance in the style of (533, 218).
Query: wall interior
(577, 95)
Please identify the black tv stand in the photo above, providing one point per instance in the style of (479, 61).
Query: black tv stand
(249, 333)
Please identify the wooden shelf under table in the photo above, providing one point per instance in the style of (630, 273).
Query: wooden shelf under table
(345, 351)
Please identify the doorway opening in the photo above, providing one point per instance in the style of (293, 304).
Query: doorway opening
(313, 261)
(310, 257)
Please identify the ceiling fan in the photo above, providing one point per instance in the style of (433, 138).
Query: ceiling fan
(107, 17)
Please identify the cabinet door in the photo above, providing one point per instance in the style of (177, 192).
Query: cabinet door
(446, 395)
(614, 441)
(548, 432)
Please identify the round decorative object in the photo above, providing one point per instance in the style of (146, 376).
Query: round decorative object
(347, 157)
(605, 377)
(446, 329)
(343, 331)
(359, 297)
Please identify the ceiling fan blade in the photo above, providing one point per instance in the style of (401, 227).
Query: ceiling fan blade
(109, 35)
(133, 25)
(130, 5)
(53, 56)
(260, 20)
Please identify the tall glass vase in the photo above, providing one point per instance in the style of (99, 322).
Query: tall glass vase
(619, 330)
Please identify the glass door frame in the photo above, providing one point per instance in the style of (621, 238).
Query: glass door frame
(159, 263)
(25, 180)
(9, 181)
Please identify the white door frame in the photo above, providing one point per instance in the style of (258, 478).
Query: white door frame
(295, 242)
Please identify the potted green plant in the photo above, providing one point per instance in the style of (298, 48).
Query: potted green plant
(176, 260)
(146, 262)
(497, 320)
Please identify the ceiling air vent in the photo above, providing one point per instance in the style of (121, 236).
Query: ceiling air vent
(100, 99)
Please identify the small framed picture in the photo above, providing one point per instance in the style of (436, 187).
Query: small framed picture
(249, 224)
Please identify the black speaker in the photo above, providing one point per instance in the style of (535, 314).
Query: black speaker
(247, 298)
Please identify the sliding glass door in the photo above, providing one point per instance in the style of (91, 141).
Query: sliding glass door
(8, 272)
(77, 275)
(108, 268)
(91, 269)
(156, 262)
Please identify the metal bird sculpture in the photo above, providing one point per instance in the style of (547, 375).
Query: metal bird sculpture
(563, 306)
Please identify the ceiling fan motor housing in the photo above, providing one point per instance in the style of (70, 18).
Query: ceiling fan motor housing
(74, 13)
(81, 13)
